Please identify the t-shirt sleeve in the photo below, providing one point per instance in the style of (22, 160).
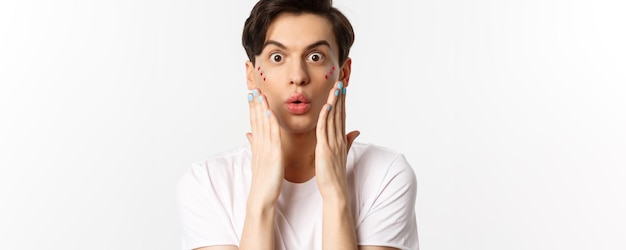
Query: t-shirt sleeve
(204, 219)
(390, 220)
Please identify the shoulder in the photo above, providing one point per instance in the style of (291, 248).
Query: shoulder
(214, 167)
(373, 152)
(233, 156)
(381, 158)
(375, 163)
(224, 161)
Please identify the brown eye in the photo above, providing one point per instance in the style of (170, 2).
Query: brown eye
(315, 57)
(276, 57)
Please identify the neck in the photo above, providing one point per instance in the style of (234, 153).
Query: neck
(299, 155)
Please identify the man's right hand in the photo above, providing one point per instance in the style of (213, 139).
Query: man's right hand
(267, 161)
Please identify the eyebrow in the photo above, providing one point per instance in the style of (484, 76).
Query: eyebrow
(282, 46)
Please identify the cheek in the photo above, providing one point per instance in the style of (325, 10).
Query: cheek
(261, 74)
(330, 74)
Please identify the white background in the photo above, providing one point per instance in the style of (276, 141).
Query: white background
(511, 112)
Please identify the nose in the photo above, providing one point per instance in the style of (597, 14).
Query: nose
(298, 73)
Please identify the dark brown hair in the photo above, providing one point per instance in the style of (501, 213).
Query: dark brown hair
(264, 12)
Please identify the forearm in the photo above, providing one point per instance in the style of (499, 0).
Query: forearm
(338, 224)
(258, 229)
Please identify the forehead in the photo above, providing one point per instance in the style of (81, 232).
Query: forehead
(300, 30)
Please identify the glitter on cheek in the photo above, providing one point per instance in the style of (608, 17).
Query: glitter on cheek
(261, 73)
(329, 72)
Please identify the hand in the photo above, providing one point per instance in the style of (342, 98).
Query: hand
(267, 160)
(332, 147)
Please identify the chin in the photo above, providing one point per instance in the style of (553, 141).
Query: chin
(299, 125)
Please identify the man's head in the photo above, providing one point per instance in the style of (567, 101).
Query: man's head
(298, 51)
(265, 11)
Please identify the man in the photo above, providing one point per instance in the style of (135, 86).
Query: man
(302, 183)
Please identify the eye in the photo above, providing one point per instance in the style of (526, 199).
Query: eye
(315, 57)
(276, 57)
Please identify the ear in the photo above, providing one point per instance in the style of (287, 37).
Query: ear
(251, 81)
(346, 68)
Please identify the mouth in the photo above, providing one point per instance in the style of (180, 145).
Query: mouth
(298, 98)
(298, 104)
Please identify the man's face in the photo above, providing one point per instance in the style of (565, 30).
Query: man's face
(297, 68)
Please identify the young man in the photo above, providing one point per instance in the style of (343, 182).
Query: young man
(302, 183)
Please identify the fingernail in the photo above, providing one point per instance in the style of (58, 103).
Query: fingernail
(344, 90)
(255, 92)
(328, 108)
(260, 99)
(336, 92)
(340, 85)
(250, 97)
(267, 112)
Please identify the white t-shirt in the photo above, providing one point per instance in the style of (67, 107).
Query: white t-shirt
(213, 193)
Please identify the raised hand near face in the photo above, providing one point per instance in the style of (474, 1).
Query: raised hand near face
(267, 160)
(333, 145)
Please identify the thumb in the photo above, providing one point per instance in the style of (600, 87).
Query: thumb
(350, 137)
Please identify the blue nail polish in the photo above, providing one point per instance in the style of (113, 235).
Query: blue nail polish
(328, 107)
(255, 92)
(260, 99)
(344, 90)
(267, 112)
(336, 92)
(340, 85)
(250, 97)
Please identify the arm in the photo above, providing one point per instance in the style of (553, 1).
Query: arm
(331, 152)
(267, 175)
(204, 218)
(338, 230)
(258, 229)
(398, 199)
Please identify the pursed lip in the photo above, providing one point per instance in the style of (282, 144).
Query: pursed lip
(298, 104)
(298, 98)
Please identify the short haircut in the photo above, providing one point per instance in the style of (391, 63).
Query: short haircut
(264, 12)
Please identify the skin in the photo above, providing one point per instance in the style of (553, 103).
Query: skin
(299, 51)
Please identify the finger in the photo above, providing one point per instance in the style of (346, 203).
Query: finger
(331, 121)
(343, 109)
(253, 112)
(351, 137)
(274, 128)
(321, 124)
(250, 104)
(261, 110)
(259, 123)
(339, 119)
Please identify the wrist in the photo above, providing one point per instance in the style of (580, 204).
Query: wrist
(259, 214)
(259, 206)
(336, 195)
